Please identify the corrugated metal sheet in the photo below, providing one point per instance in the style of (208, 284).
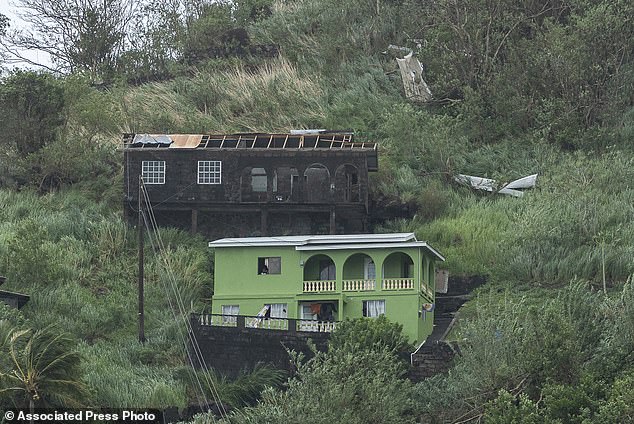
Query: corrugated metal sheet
(151, 139)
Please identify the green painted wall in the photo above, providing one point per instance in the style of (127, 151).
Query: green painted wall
(354, 267)
(237, 283)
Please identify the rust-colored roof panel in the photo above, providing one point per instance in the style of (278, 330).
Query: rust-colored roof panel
(185, 141)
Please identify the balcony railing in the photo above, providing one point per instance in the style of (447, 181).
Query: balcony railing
(318, 286)
(267, 323)
(398, 283)
(279, 324)
(329, 286)
(358, 285)
(316, 326)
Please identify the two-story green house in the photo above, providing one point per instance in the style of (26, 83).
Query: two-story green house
(318, 280)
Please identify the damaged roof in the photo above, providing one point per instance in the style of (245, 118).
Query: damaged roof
(295, 139)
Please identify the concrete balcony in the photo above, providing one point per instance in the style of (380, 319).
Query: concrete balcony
(358, 285)
(276, 324)
(320, 286)
(398, 284)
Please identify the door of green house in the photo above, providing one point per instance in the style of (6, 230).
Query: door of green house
(317, 315)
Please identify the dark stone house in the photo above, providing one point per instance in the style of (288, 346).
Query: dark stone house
(302, 182)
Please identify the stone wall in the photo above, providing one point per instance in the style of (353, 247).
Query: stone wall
(230, 350)
(431, 359)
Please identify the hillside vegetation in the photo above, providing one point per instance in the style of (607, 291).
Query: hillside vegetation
(520, 87)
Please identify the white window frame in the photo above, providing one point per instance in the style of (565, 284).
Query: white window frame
(209, 172)
(153, 171)
(374, 308)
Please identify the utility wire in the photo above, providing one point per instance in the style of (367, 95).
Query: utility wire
(160, 247)
(178, 298)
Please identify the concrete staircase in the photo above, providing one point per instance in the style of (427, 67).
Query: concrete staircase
(436, 355)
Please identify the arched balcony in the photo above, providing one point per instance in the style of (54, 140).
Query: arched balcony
(398, 272)
(359, 273)
(320, 274)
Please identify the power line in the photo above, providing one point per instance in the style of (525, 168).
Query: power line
(159, 248)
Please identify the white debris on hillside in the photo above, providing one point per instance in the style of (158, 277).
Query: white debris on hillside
(487, 184)
(416, 88)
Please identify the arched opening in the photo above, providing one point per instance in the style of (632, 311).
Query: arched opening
(253, 185)
(359, 273)
(398, 272)
(317, 184)
(259, 181)
(347, 187)
(320, 274)
(286, 184)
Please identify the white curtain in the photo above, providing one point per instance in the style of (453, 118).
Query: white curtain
(375, 308)
(279, 310)
(230, 310)
(369, 270)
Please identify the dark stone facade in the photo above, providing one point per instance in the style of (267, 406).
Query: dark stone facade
(231, 350)
(308, 191)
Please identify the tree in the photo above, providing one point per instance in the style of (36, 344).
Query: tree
(79, 35)
(40, 368)
(338, 386)
(30, 110)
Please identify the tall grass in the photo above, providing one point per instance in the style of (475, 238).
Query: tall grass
(274, 97)
(578, 221)
(76, 258)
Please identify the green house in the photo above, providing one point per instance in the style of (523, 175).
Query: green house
(314, 281)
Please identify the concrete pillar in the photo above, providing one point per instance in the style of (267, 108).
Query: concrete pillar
(194, 227)
(264, 214)
(333, 221)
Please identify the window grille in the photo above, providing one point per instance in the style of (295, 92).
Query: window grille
(153, 171)
(209, 171)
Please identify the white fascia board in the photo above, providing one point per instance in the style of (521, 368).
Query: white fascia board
(361, 238)
(314, 240)
(259, 241)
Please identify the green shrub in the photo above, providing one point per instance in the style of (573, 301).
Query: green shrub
(352, 387)
(369, 334)
(508, 409)
(619, 405)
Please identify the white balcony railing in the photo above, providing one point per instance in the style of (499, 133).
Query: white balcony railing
(320, 286)
(358, 285)
(316, 326)
(218, 320)
(398, 284)
(267, 323)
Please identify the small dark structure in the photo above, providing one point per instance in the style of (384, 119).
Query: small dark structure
(15, 300)
(302, 182)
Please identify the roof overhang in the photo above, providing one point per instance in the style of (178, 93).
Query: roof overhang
(332, 242)
(314, 240)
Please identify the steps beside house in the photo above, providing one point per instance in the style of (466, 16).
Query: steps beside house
(436, 355)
